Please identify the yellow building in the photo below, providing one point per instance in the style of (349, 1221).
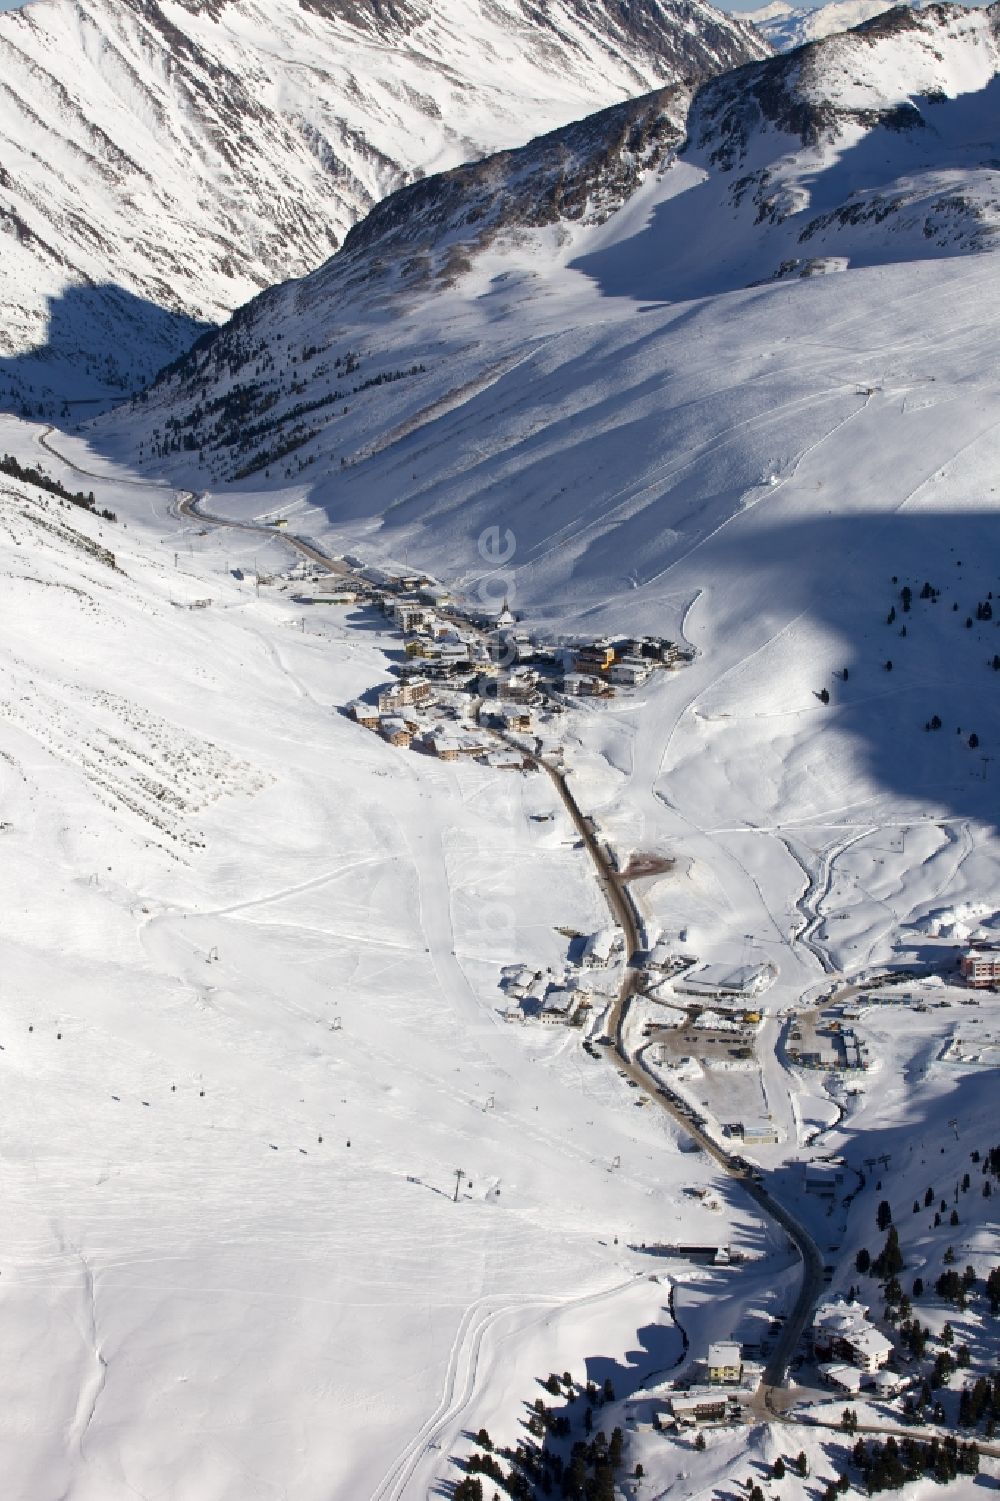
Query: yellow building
(725, 1363)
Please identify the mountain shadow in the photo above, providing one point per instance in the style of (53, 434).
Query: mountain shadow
(103, 344)
(914, 699)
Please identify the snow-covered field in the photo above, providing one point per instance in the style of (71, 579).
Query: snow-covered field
(253, 1042)
(234, 924)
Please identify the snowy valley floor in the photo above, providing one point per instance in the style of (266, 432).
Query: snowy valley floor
(234, 923)
(252, 1029)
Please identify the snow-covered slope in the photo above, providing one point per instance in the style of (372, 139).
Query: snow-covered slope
(637, 445)
(251, 1027)
(873, 147)
(159, 164)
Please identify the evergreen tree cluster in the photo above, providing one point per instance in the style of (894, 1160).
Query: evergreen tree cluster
(993, 1290)
(469, 1489)
(981, 1402)
(914, 1337)
(954, 1287)
(930, 592)
(889, 1465)
(536, 1470)
(889, 1260)
(31, 476)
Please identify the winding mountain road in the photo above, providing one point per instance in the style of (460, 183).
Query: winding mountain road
(620, 903)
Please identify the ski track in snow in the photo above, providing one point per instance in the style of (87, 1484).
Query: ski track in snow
(461, 1384)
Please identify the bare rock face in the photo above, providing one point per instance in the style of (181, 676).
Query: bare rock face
(158, 168)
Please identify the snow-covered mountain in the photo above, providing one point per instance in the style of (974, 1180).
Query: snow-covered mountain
(788, 26)
(867, 148)
(294, 1206)
(159, 164)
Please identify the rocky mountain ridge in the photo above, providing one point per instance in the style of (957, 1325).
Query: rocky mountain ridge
(861, 149)
(160, 164)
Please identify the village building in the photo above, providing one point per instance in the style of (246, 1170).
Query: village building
(763, 1135)
(597, 657)
(413, 691)
(517, 978)
(519, 684)
(824, 1178)
(455, 744)
(454, 651)
(396, 731)
(703, 1405)
(600, 948)
(515, 717)
(980, 969)
(505, 716)
(327, 597)
(596, 688)
(508, 758)
(725, 1363)
(630, 672)
(410, 616)
(562, 1005)
(846, 1378)
(870, 1348)
(842, 1332)
(365, 714)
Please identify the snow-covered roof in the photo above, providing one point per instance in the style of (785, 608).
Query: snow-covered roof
(838, 1315)
(561, 998)
(601, 945)
(870, 1342)
(848, 1377)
